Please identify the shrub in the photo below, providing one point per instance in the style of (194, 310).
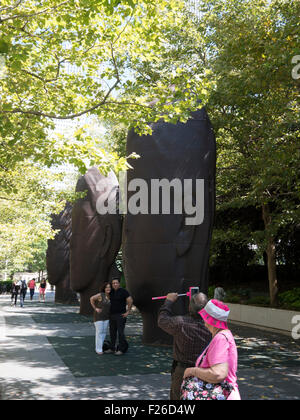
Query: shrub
(211, 291)
(5, 286)
(232, 298)
(259, 300)
(290, 299)
(238, 295)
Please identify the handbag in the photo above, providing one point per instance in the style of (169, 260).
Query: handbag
(193, 388)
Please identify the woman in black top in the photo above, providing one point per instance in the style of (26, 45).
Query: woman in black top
(101, 305)
(43, 286)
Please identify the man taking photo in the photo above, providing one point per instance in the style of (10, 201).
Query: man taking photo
(190, 336)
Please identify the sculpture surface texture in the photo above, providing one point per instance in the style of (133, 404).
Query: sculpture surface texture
(96, 237)
(58, 257)
(163, 253)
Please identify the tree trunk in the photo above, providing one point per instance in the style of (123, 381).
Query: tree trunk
(271, 256)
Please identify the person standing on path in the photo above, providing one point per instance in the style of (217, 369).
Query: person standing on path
(190, 336)
(43, 286)
(31, 285)
(219, 361)
(219, 292)
(119, 298)
(14, 293)
(101, 306)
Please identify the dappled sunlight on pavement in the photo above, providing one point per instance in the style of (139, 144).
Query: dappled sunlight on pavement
(47, 352)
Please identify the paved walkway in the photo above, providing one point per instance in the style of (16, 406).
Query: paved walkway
(47, 352)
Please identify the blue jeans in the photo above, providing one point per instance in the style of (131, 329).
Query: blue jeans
(22, 297)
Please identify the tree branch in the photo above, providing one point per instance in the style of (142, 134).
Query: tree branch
(59, 63)
(24, 16)
(14, 6)
(115, 63)
(28, 33)
(13, 199)
(67, 117)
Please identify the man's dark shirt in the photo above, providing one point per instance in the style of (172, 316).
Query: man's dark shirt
(191, 337)
(118, 301)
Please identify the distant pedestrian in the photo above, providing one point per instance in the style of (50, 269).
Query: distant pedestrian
(14, 293)
(31, 285)
(23, 291)
(219, 293)
(101, 306)
(43, 286)
(218, 363)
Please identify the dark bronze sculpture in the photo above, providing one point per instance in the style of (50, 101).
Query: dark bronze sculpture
(58, 256)
(166, 252)
(96, 237)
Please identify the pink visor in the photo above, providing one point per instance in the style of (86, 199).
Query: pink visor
(215, 313)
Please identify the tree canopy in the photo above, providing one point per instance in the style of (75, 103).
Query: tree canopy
(128, 63)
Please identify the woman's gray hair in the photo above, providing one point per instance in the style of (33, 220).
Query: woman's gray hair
(197, 303)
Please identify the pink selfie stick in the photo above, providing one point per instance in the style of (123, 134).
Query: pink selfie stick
(189, 294)
(164, 297)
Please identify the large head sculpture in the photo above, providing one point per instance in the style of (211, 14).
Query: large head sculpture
(167, 250)
(96, 235)
(58, 257)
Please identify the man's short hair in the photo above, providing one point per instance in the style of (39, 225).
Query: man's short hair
(197, 302)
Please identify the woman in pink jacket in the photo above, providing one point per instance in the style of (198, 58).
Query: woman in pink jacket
(219, 361)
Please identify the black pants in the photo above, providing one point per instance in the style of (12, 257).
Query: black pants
(14, 297)
(116, 328)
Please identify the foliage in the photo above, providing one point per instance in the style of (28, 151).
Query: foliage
(38, 260)
(290, 299)
(29, 196)
(254, 106)
(288, 248)
(259, 300)
(62, 60)
(211, 291)
(233, 298)
(116, 137)
(5, 286)
(256, 109)
(65, 59)
(243, 294)
(227, 253)
(287, 300)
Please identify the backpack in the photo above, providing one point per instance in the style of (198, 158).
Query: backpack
(24, 285)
